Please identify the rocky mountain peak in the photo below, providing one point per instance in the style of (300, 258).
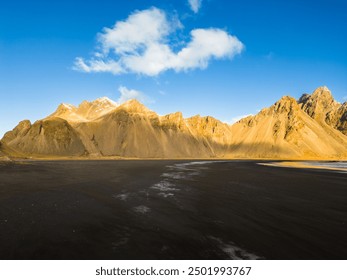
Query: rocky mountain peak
(105, 100)
(102, 102)
(86, 111)
(321, 90)
(64, 107)
(321, 95)
(321, 106)
(20, 129)
(134, 106)
(177, 116)
(285, 104)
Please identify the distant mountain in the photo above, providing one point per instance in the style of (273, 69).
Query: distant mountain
(309, 128)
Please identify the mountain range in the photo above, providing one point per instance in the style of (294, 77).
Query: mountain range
(313, 127)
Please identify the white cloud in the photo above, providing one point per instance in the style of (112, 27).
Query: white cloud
(141, 45)
(139, 30)
(207, 44)
(195, 5)
(127, 94)
(97, 65)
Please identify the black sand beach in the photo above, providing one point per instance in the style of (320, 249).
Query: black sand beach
(170, 210)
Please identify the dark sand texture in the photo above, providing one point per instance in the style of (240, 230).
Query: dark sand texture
(170, 210)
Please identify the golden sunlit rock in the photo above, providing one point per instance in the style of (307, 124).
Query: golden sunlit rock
(311, 128)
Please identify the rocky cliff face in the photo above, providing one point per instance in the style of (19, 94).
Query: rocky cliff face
(321, 106)
(285, 131)
(53, 136)
(126, 130)
(132, 130)
(310, 128)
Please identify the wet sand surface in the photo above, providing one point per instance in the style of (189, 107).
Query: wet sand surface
(170, 210)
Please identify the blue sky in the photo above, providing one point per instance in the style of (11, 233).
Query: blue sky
(220, 58)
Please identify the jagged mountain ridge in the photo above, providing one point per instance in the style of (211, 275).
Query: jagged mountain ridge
(126, 130)
(86, 111)
(321, 106)
(284, 130)
(103, 128)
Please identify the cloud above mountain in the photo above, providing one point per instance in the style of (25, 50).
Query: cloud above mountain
(143, 44)
(127, 94)
(195, 5)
